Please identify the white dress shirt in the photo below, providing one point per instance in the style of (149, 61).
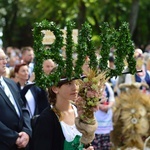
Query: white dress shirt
(9, 94)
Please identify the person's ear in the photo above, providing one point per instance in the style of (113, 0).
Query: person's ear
(55, 89)
(16, 75)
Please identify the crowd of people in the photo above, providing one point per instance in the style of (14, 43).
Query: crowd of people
(21, 100)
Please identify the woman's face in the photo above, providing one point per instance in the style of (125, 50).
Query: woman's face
(23, 73)
(69, 90)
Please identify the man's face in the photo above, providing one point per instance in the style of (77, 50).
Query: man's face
(48, 65)
(28, 56)
(3, 62)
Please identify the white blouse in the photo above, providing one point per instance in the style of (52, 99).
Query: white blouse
(70, 131)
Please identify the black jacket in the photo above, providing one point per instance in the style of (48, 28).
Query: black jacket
(40, 97)
(48, 134)
(10, 123)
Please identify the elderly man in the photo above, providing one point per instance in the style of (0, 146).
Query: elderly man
(15, 129)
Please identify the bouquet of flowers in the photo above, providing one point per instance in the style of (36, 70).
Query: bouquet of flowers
(90, 93)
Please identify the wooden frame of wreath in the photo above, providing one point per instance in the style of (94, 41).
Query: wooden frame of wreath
(119, 39)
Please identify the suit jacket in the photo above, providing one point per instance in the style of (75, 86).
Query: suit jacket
(10, 123)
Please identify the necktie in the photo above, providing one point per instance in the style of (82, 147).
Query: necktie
(1, 86)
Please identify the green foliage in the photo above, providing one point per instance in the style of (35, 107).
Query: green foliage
(85, 48)
(69, 50)
(126, 48)
(17, 15)
(106, 39)
(52, 52)
(119, 39)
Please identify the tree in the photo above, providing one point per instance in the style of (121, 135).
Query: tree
(19, 16)
(8, 14)
(134, 15)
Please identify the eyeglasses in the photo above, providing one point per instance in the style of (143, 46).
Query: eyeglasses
(5, 58)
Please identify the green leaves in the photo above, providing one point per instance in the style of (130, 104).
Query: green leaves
(119, 40)
(85, 48)
(52, 52)
(69, 50)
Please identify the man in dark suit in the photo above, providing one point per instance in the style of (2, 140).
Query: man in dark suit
(15, 129)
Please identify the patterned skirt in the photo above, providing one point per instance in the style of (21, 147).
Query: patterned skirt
(102, 142)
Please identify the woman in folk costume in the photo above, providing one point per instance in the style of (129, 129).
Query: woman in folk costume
(51, 131)
(55, 128)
